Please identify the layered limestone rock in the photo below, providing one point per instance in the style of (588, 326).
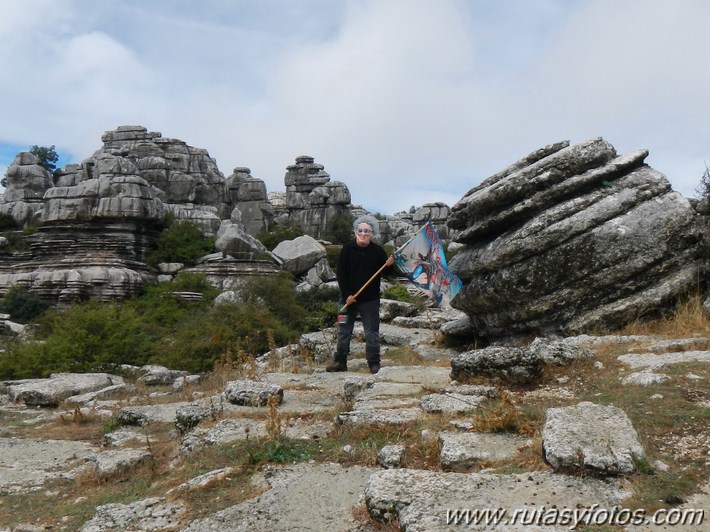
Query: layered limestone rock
(570, 239)
(312, 199)
(185, 179)
(249, 201)
(25, 183)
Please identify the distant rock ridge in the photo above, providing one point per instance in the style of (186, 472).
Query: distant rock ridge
(95, 221)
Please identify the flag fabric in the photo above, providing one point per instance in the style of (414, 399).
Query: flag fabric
(422, 260)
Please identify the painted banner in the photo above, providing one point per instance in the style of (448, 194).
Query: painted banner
(422, 260)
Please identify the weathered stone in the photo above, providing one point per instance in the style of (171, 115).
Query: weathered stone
(148, 514)
(645, 378)
(311, 199)
(159, 375)
(570, 239)
(392, 416)
(59, 386)
(189, 416)
(450, 403)
(389, 309)
(589, 436)
(416, 497)
(252, 393)
(231, 240)
(390, 456)
(559, 353)
(116, 462)
(300, 254)
(465, 449)
(513, 364)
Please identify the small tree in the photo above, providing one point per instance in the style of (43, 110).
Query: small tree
(340, 228)
(47, 156)
(22, 305)
(703, 189)
(181, 241)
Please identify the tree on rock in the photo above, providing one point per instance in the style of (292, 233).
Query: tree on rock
(47, 156)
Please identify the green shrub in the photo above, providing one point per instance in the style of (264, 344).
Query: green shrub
(322, 305)
(192, 282)
(399, 292)
(159, 327)
(339, 229)
(181, 241)
(278, 234)
(8, 223)
(203, 338)
(277, 295)
(22, 305)
(86, 337)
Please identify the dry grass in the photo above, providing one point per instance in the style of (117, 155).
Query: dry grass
(368, 524)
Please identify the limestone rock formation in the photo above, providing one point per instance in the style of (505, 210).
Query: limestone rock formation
(25, 183)
(96, 221)
(249, 201)
(312, 199)
(569, 239)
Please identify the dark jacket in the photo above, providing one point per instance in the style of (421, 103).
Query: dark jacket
(355, 267)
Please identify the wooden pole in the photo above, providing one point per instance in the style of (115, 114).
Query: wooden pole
(374, 276)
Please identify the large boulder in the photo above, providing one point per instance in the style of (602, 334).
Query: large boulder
(300, 254)
(570, 239)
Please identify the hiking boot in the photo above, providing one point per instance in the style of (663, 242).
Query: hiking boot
(374, 368)
(336, 366)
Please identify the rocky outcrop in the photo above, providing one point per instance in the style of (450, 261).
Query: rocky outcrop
(249, 201)
(25, 183)
(312, 199)
(570, 239)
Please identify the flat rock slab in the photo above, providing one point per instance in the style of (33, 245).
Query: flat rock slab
(425, 501)
(591, 436)
(648, 360)
(431, 375)
(464, 449)
(450, 403)
(394, 416)
(303, 497)
(27, 463)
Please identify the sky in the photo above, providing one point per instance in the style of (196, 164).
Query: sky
(405, 101)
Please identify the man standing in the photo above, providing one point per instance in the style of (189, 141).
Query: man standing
(358, 262)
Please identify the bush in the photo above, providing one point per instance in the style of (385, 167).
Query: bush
(278, 234)
(8, 223)
(340, 229)
(181, 242)
(84, 338)
(93, 336)
(703, 188)
(159, 327)
(22, 305)
(322, 305)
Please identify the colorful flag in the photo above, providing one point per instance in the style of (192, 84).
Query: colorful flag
(422, 260)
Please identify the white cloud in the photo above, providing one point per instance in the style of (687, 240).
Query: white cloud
(405, 101)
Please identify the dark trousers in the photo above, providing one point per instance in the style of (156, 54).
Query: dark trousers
(369, 312)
